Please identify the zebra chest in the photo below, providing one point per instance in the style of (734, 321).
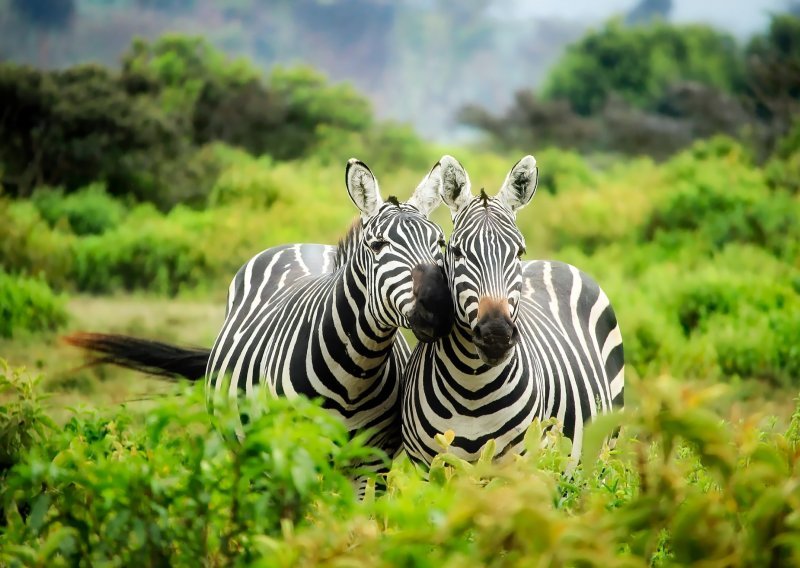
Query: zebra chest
(499, 404)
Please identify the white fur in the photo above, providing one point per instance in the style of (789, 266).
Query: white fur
(427, 196)
(456, 188)
(363, 188)
(520, 185)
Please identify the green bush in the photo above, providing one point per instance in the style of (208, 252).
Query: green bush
(89, 211)
(721, 198)
(23, 421)
(28, 305)
(385, 147)
(683, 486)
(149, 252)
(784, 173)
(76, 126)
(248, 183)
(29, 246)
(560, 170)
(170, 490)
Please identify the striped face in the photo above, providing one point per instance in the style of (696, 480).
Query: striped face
(483, 260)
(403, 262)
(401, 255)
(485, 274)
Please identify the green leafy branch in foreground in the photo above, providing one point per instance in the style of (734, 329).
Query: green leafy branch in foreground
(681, 486)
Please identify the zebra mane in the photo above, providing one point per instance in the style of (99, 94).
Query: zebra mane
(393, 200)
(484, 197)
(347, 244)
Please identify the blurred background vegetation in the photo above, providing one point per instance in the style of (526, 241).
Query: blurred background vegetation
(147, 149)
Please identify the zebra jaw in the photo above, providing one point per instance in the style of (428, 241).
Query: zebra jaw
(489, 357)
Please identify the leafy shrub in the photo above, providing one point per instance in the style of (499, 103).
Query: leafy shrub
(29, 246)
(23, 421)
(682, 486)
(758, 344)
(559, 170)
(385, 147)
(28, 305)
(149, 253)
(89, 211)
(249, 183)
(171, 490)
(724, 199)
(73, 127)
(784, 173)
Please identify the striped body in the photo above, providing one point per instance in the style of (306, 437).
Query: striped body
(295, 325)
(535, 339)
(567, 364)
(322, 321)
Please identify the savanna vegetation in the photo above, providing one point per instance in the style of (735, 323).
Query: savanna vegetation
(130, 196)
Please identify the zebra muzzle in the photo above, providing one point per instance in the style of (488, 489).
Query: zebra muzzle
(432, 315)
(495, 333)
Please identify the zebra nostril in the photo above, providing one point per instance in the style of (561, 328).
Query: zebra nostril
(492, 331)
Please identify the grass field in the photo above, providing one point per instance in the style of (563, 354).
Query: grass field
(187, 322)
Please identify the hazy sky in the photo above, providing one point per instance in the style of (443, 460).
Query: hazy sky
(742, 17)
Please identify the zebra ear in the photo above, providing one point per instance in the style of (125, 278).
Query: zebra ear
(455, 189)
(520, 185)
(363, 188)
(427, 196)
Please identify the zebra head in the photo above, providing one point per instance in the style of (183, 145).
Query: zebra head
(483, 259)
(400, 254)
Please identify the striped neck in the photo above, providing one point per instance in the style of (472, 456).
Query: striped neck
(458, 349)
(368, 342)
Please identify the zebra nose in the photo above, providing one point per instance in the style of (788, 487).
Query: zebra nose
(432, 315)
(495, 333)
(496, 330)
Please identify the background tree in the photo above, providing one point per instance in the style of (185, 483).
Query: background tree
(773, 76)
(638, 63)
(77, 126)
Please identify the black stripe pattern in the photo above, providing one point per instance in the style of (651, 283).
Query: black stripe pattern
(321, 321)
(532, 339)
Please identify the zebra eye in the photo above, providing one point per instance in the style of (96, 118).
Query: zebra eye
(521, 251)
(442, 244)
(377, 246)
(457, 253)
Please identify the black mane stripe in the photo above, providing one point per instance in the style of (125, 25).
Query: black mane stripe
(347, 243)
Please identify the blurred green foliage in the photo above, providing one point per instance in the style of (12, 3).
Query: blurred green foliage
(74, 127)
(88, 211)
(637, 63)
(162, 487)
(28, 305)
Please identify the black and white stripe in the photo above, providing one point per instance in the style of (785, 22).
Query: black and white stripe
(322, 321)
(564, 357)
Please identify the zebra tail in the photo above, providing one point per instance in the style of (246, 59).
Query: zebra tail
(144, 355)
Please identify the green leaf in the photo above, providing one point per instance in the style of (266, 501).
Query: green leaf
(595, 434)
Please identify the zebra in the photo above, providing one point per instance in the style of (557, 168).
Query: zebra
(322, 321)
(531, 339)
